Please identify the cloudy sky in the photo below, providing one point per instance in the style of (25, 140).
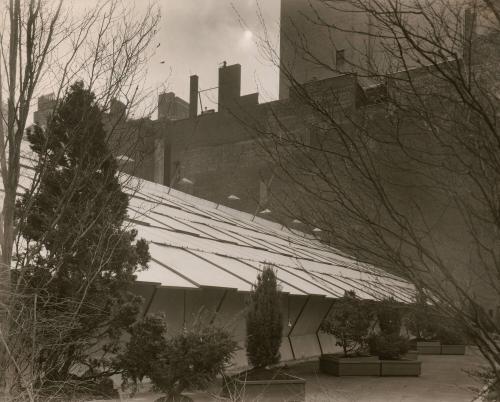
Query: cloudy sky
(196, 36)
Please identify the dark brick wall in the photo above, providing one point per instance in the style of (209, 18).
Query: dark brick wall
(221, 154)
(134, 139)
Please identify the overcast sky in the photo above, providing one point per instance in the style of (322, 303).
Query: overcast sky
(196, 36)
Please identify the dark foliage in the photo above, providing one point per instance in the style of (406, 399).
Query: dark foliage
(193, 359)
(489, 390)
(349, 321)
(264, 321)
(189, 360)
(388, 346)
(80, 262)
(422, 319)
(389, 316)
(449, 332)
(147, 342)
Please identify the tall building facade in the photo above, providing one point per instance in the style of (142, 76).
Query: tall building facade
(321, 39)
(318, 40)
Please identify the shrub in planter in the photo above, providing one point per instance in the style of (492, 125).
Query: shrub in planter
(388, 346)
(434, 330)
(264, 334)
(147, 342)
(449, 333)
(192, 360)
(422, 320)
(264, 321)
(349, 321)
(189, 360)
(452, 337)
(389, 316)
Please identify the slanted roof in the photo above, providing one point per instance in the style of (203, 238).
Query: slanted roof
(195, 243)
(208, 244)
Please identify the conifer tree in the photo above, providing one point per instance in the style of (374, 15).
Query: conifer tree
(264, 321)
(80, 260)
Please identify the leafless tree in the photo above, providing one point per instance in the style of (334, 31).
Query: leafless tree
(396, 159)
(44, 47)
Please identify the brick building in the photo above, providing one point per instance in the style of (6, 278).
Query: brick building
(46, 104)
(320, 39)
(213, 155)
(216, 154)
(311, 50)
(172, 107)
(132, 140)
(219, 154)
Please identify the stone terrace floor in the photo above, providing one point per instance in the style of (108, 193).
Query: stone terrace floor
(443, 379)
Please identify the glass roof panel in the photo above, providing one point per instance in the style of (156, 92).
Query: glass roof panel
(157, 273)
(246, 271)
(231, 246)
(299, 280)
(196, 269)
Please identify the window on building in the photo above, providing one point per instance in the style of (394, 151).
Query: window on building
(159, 161)
(263, 193)
(340, 58)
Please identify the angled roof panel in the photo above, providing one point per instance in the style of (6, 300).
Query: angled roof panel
(198, 270)
(249, 272)
(196, 243)
(157, 273)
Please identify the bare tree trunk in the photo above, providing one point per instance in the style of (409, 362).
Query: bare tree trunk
(10, 185)
(107, 48)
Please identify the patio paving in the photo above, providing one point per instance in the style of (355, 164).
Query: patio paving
(443, 379)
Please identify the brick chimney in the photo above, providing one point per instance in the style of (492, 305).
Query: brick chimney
(193, 96)
(229, 86)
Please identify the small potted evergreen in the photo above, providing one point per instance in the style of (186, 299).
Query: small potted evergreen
(452, 338)
(349, 320)
(266, 380)
(190, 360)
(389, 345)
(434, 332)
(421, 322)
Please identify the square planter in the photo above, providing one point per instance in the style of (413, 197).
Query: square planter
(344, 366)
(453, 349)
(274, 387)
(429, 348)
(411, 355)
(402, 367)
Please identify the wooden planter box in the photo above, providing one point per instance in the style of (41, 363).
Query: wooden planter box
(453, 349)
(436, 348)
(429, 348)
(284, 387)
(342, 366)
(411, 355)
(401, 368)
(368, 366)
